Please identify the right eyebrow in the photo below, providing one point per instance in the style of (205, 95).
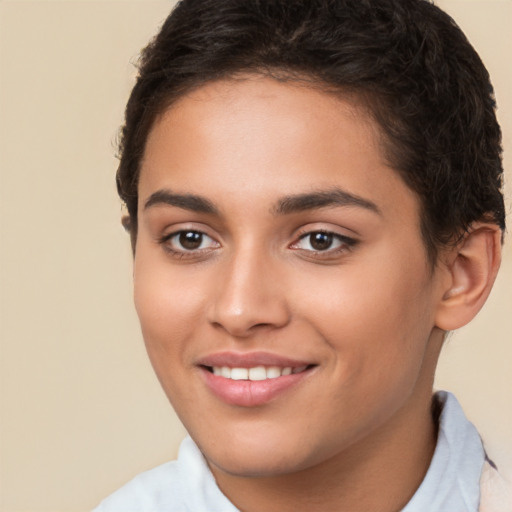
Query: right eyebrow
(186, 201)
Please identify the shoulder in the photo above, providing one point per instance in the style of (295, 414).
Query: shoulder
(495, 490)
(149, 491)
(183, 485)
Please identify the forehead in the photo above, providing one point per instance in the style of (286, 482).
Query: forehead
(255, 138)
(249, 106)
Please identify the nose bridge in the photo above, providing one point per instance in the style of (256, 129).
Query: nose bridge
(249, 294)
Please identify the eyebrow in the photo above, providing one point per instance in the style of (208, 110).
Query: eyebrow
(286, 205)
(323, 199)
(186, 201)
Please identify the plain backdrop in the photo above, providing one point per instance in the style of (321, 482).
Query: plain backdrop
(81, 411)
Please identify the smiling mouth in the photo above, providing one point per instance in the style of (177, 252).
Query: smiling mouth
(252, 380)
(256, 373)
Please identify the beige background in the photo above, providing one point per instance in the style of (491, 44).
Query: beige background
(80, 409)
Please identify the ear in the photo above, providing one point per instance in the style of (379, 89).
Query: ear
(127, 224)
(471, 270)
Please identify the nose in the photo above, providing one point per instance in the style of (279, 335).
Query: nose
(250, 296)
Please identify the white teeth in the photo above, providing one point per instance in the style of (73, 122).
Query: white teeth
(256, 372)
(239, 373)
(273, 372)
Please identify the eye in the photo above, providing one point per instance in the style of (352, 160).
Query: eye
(323, 241)
(188, 241)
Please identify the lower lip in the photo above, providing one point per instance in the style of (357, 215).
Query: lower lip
(250, 393)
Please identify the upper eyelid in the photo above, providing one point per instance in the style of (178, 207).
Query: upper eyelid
(308, 230)
(328, 224)
(339, 236)
(171, 231)
(172, 234)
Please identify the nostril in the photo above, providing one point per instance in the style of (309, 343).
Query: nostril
(262, 324)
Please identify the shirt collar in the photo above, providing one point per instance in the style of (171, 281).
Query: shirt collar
(452, 481)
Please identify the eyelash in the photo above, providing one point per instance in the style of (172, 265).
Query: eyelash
(345, 244)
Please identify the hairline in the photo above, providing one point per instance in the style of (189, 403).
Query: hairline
(362, 98)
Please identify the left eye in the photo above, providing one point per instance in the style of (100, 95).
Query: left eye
(190, 241)
(321, 241)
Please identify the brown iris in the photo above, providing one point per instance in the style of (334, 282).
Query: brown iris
(190, 240)
(320, 241)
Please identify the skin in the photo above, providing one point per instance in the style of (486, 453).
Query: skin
(363, 311)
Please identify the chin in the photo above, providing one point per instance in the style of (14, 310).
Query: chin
(266, 457)
(241, 465)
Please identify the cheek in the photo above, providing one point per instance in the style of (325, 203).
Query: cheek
(376, 317)
(168, 306)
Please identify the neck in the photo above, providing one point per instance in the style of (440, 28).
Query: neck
(380, 472)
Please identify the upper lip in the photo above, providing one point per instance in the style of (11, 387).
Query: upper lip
(250, 360)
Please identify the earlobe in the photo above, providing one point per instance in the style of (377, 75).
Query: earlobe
(128, 226)
(472, 268)
(126, 222)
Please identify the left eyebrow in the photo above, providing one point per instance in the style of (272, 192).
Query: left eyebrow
(322, 199)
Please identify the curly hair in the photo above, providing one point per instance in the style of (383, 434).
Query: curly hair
(406, 60)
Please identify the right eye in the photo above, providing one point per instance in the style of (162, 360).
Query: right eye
(188, 242)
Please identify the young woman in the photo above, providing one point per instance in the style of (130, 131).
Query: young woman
(314, 201)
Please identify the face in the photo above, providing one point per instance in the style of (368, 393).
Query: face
(281, 281)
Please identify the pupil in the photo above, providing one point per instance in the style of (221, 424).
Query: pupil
(190, 239)
(321, 241)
